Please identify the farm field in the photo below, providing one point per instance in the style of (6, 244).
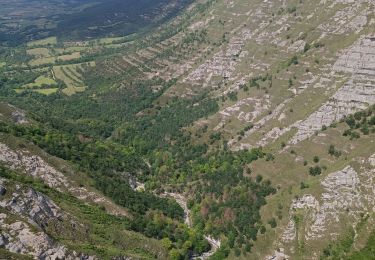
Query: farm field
(72, 77)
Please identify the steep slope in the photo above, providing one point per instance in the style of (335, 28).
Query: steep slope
(256, 116)
(74, 226)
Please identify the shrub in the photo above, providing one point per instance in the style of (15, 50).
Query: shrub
(314, 171)
(316, 159)
(303, 185)
(272, 222)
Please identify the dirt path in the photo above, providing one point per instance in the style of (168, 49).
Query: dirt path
(181, 200)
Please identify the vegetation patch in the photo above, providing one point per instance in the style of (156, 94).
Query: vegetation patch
(39, 52)
(41, 82)
(43, 42)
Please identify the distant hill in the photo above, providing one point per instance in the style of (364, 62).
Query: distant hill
(117, 17)
(78, 20)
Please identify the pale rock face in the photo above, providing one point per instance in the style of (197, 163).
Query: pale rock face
(275, 114)
(17, 236)
(372, 160)
(38, 207)
(278, 255)
(357, 94)
(349, 20)
(342, 191)
(346, 194)
(19, 117)
(223, 63)
(32, 165)
(307, 202)
(36, 167)
(297, 46)
(256, 106)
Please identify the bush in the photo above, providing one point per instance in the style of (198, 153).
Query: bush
(237, 251)
(365, 130)
(333, 151)
(316, 159)
(272, 222)
(307, 47)
(293, 61)
(303, 186)
(262, 229)
(314, 171)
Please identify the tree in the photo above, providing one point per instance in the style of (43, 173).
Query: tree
(364, 129)
(166, 243)
(331, 150)
(262, 229)
(272, 222)
(314, 171)
(303, 185)
(174, 254)
(237, 252)
(350, 121)
(248, 247)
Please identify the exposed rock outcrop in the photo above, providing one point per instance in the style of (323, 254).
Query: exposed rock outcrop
(37, 167)
(357, 94)
(28, 215)
(347, 194)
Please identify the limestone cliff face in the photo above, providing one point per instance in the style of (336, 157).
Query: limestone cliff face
(25, 216)
(348, 198)
(357, 94)
(34, 165)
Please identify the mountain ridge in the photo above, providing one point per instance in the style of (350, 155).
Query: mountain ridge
(260, 115)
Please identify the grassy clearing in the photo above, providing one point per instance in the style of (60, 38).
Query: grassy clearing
(64, 51)
(39, 52)
(72, 56)
(42, 85)
(43, 91)
(40, 82)
(110, 40)
(43, 42)
(46, 91)
(44, 56)
(117, 45)
(42, 61)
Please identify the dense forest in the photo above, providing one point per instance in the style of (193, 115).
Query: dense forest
(110, 140)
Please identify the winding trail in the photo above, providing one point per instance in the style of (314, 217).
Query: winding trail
(181, 200)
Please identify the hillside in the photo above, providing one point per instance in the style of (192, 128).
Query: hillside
(224, 130)
(26, 20)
